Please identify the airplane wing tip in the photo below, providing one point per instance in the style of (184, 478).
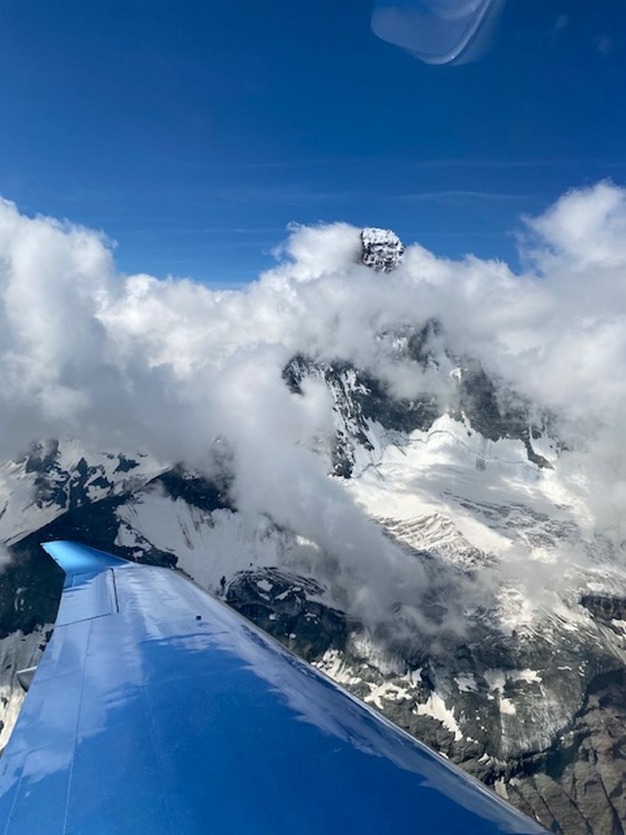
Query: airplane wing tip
(75, 558)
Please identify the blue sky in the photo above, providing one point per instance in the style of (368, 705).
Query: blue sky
(193, 132)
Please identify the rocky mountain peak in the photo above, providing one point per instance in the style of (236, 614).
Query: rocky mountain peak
(382, 249)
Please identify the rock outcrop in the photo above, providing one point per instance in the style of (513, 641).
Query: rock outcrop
(382, 249)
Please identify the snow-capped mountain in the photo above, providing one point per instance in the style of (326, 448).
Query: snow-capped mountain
(457, 579)
(510, 686)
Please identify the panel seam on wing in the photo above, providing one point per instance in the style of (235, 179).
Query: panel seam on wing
(78, 717)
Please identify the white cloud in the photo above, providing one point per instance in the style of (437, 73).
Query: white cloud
(584, 227)
(131, 361)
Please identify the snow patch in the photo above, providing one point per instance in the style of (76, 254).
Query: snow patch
(435, 707)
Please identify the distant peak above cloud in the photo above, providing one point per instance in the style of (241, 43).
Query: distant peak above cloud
(382, 249)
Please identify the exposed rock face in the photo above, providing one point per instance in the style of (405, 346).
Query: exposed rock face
(382, 249)
(17, 651)
(579, 785)
(531, 700)
(359, 398)
(284, 605)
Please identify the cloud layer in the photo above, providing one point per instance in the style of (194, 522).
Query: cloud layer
(169, 366)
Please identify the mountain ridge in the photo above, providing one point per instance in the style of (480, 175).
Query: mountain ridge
(475, 697)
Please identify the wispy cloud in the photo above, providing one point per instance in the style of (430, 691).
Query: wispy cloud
(460, 195)
(472, 163)
(604, 44)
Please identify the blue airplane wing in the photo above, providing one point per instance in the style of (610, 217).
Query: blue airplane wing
(157, 710)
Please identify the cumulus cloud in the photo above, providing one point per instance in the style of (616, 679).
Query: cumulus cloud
(585, 226)
(170, 366)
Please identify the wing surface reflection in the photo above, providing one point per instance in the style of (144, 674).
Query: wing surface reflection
(172, 714)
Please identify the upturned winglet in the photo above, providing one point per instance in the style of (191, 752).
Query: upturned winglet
(74, 558)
